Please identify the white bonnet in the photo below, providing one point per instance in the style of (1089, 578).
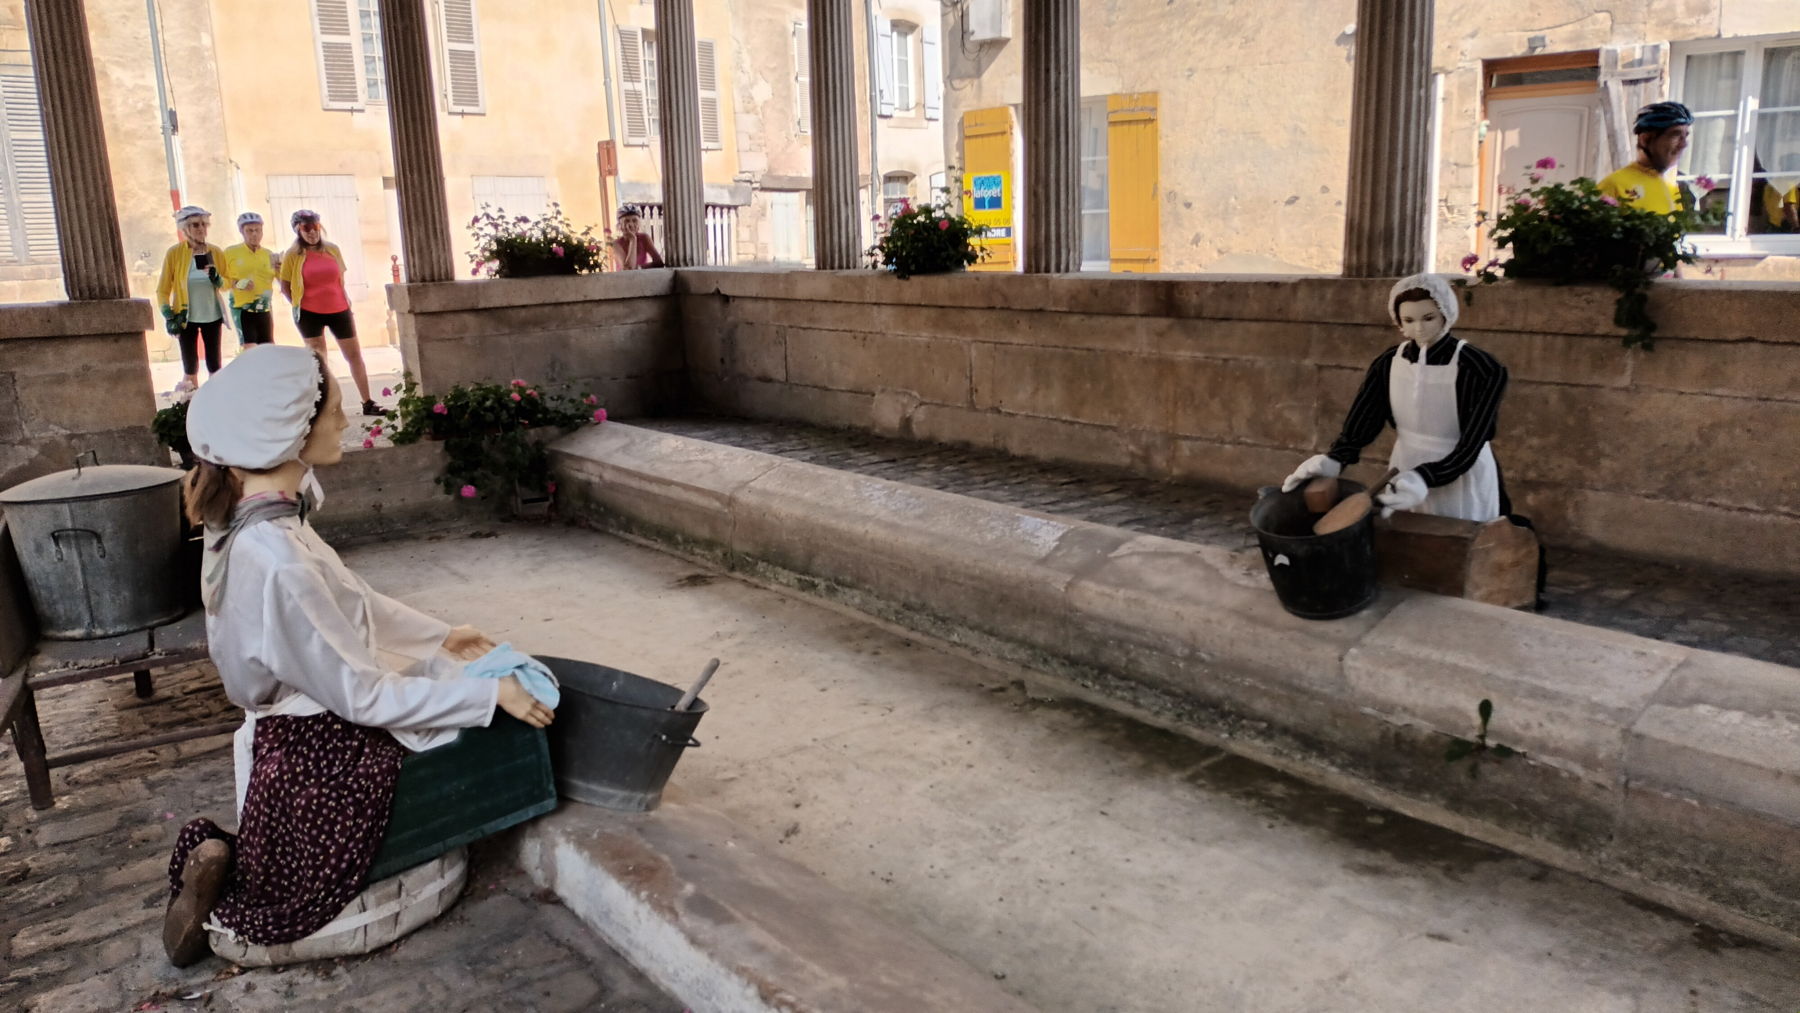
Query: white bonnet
(1441, 293)
(256, 412)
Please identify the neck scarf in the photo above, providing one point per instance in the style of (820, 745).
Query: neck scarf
(219, 540)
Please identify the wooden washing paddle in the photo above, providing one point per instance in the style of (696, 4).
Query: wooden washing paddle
(1353, 508)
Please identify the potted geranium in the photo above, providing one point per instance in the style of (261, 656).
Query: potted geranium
(519, 246)
(170, 427)
(1571, 232)
(492, 433)
(930, 238)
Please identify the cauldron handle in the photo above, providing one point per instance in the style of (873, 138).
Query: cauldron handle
(691, 743)
(56, 539)
(90, 452)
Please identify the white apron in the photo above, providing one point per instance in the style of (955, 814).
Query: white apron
(1423, 400)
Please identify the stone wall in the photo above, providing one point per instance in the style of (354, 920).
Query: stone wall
(73, 378)
(609, 333)
(1683, 453)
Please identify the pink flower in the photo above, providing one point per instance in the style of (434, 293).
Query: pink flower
(1607, 198)
(1535, 177)
(1469, 262)
(943, 223)
(468, 492)
(550, 487)
(531, 393)
(1523, 202)
(514, 396)
(874, 218)
(1705, 183)
(518, 383)
(590, 399)
(387, 392)
(599, 415)
(374, 430)
(475, 271)
(1545, 163)
(370, 444)
(557, 249)
(439, 409)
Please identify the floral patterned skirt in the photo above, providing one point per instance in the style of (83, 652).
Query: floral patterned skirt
(320, 795)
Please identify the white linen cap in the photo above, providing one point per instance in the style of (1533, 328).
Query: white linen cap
(1439, 289)
(255, 413)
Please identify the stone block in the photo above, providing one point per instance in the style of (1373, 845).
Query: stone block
(725, 924)
(1755, 542)
(1138, 391)
(541, 316)
(1042, 439)
(1267, 401)
(817, 406)
(936, 371)
(1560, 358)
(1233, 465)
(662, 481)
(451, 296)
(1740, 862)
(1723, 729)
(1563, 693)
(755, 351)
(76, 319)
(1751, 369)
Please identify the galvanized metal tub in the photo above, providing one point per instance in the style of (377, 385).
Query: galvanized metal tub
(615, 740)
(100, 547)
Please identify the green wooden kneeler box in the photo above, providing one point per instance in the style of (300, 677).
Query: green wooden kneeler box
(486, 780)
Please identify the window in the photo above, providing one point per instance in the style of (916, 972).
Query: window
(1096, 219)
(515, 195)
(706, 65)
(27, 216)
(650, 78)
(802, 80)
(637, 84)
(368, 21)
(896, 192)
(787, 220)
(904, 36)
(341, 81)
(1745, 96)
(461, 56)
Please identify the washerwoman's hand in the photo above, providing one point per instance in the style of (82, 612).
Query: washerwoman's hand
(468, 643)
(515, 700)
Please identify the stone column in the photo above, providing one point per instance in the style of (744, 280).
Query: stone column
(836, 214)
(87, 218)
(678, 104)
(1388, 207)
(1052, 115)
(413, 125)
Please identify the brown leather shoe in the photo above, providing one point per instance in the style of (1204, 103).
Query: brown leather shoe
(202, 880)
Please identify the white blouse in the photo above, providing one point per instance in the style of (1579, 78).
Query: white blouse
(295, 621)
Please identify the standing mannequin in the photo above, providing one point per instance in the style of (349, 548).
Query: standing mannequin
(1442, 396)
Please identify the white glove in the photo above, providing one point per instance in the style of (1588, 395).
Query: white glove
(1407, 490)
(1316, 466)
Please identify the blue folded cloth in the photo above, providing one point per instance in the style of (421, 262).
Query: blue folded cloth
(503, 661)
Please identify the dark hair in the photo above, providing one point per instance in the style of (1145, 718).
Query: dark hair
(1411, 295)
(210, 492)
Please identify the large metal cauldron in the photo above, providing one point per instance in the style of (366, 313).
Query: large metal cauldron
(100, 547)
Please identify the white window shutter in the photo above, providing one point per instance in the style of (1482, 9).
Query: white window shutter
(631, 90)
(340, 66)
(462, 57)
(27, 213)
(932, 45)
(884, 66)
(802, 80)
(708, 73)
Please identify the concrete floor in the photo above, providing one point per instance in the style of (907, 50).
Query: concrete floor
(1087, 862)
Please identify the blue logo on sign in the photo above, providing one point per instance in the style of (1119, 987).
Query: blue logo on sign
(987, 193)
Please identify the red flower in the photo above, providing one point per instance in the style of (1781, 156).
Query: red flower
(943, 223)
(368, 444)
(514, 396)
(439, 409)
(550, 487)
(599, 415)
(1546, 162)
(1469, 262)
(468, 492)
(590, 399)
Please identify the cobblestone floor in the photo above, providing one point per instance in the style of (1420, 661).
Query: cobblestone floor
(1720, 611)
(83, 886)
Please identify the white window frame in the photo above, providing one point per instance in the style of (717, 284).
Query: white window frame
(802, 52)
(374, 76)
(1096, 158)
(31, 239)
(1737, 242)
(897, 186)
(448, 46)
(652, 71)
(906, 92)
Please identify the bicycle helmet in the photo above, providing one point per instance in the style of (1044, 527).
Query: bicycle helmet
(1662, 116)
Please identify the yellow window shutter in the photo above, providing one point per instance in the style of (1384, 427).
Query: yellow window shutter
(987, 136)
(1133, 187)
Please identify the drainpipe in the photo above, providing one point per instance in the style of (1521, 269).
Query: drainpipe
(612, 131)
(874, 113)
(166, 114)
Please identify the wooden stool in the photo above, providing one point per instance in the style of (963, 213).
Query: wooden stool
(1495, 562)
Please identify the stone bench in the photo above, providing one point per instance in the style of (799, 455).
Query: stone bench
(1668, 772)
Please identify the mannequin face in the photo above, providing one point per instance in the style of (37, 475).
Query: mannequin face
(1422, 321)
(325, 443)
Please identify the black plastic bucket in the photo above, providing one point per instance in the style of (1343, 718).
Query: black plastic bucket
(1315, 576)
(615, 741)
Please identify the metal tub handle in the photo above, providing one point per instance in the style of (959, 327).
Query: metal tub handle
(56, 538)
(689, 743)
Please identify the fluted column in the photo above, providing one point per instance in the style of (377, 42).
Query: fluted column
(87, 218)
(678, 104)
(1052, 114)
(413, 125)
(832, 53)
(1388, 209)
